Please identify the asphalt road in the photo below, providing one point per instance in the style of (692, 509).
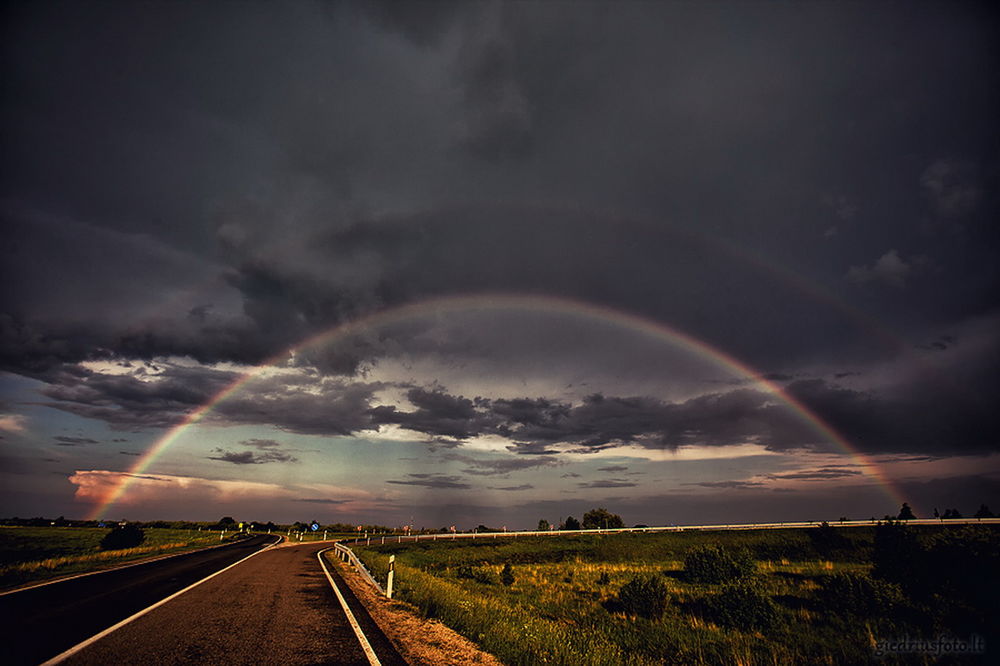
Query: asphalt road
(277, 607)
(41, 622)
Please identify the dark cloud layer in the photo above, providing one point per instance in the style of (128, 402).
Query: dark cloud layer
(251, 458)
(901, 422)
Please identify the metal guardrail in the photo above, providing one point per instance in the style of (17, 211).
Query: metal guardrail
(399, 538)
(347, 555)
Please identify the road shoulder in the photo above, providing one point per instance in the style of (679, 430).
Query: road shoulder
(422, 642)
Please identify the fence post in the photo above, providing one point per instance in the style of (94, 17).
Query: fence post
(392, 571)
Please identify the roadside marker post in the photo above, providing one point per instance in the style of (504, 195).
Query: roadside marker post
(388, 582)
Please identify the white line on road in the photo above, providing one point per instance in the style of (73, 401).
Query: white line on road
(59, 658)
(369, 652)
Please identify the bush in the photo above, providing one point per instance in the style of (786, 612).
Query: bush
(507, 575)
(860, 595)
(897, 556)
(742, 605)
(716, 564)
(123, 536)
(483, 576)
(644, 596)
(827, 539)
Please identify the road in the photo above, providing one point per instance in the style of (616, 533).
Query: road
(275, 607)
(41, 622)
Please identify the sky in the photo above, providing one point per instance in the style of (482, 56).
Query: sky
(494, 263)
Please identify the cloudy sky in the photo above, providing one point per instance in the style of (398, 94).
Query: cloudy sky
(495, 263)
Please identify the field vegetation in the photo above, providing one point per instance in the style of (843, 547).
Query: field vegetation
(819, 595)
(30, 554)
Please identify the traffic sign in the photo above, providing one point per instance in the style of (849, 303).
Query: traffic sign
(314, 526)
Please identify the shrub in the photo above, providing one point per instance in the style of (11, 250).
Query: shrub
(827, 539)
(898, 556)
(716, 564)
(507, 575)
(123, 536)
(644, 596)
(483, 576)
(860, 595)
(742, 605)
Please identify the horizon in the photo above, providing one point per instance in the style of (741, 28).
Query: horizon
(496, 264)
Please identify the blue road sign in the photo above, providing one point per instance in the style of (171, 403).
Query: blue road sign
(314, 527)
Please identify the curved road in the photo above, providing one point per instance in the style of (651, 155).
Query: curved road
(276, 607)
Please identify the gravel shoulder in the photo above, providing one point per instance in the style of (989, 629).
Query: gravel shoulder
(422, 642)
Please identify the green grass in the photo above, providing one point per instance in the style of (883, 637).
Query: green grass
(561, 608)
(32, 554)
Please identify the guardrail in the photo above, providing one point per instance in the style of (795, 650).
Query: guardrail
(347, 555)
(399, 538)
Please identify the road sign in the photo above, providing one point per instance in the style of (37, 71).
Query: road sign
(314, 526)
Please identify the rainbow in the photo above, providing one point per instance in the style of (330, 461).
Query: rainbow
(513, 303)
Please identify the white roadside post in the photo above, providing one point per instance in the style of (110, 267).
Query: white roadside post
(388, 582)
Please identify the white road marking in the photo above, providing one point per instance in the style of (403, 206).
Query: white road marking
(59, 658)
(369, 652)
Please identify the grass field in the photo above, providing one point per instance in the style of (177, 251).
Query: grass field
(563, 598)
(30, 554)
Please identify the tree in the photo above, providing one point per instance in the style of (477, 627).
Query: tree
(905, 513)
(601, 519)
(543, 525)
(571, 523)
(984, 512)
(951, 513)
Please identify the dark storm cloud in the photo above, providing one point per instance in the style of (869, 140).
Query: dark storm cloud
(524, 486)
(129, 402)
(818, 474)
(321, 501)
(726, 484)
(613, 468)
(251, 458)
(502, 466)
(437, 413)
(261, 443)
(327, 408)
(305, 253)
(162, 400)
(433, 481)
(608, 483)
(63, 440)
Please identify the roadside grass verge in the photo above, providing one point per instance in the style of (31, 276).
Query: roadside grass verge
(563, 607)
(36, 554)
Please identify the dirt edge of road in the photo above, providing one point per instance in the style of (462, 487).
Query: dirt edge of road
(420, 641)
